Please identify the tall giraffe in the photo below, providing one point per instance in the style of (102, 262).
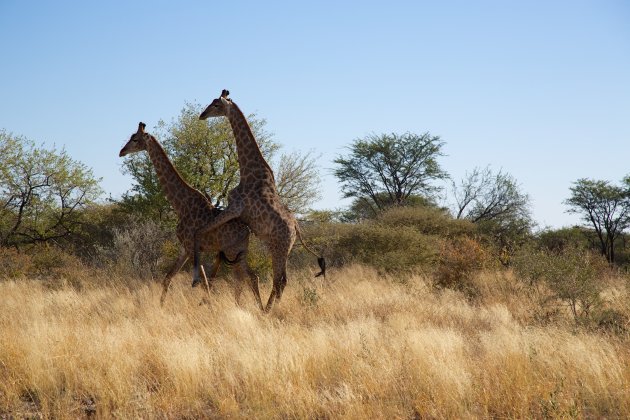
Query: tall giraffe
(255, 200)
(229, 243)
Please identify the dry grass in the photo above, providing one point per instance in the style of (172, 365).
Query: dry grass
(358, 346)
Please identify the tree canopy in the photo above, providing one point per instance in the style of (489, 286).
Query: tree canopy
(495, 203)
(605, 207)
(42, 192)
(388, 169)
(204, 153)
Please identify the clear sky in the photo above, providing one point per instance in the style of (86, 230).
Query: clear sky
(539, 89)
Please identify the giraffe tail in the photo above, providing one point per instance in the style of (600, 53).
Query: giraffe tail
(320, 258)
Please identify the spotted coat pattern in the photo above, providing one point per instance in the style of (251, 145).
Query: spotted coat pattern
(255, 200)
(194, 211)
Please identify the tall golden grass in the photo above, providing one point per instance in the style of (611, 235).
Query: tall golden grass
(355, 346)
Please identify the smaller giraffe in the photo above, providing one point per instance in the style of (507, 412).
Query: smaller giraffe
(229, 243)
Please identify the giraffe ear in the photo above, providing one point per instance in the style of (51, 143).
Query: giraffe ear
(225, 93)
(141, 127)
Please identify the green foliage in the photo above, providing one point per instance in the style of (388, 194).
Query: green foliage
(310, 297)
(42, 193)
(259, 259)
(573, 275)
(204, 153)
(603, 206)
(97, 232)
(389, 249)
(324, 216)
(559, 239)
(400, 239)
(484, 195)
(49, 261)
(425, 220)
(364, 209)
(392, 166)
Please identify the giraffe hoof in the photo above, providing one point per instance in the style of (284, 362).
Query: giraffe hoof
(196, 282)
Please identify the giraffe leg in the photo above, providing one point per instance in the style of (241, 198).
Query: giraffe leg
(253, 284)
(237, 283)
(181, 260)
(279, 262)
(242, 271)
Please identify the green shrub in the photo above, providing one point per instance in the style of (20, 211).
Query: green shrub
(388, 249)
(398, 239)
(49, 261)
(259, 259)
(310, 297)
(426, 220)
(559, 239)
(573, 275)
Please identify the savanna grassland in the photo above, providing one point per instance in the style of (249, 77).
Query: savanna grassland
(356, 345)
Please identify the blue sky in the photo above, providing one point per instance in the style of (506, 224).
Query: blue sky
(539, 89)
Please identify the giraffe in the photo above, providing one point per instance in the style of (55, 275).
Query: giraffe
(255, 200)
(229, 243)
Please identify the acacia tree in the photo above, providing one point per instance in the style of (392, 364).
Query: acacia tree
(388, 169)
(495, 203)
(297, 180)
(605, 207)
(42, 192)
(483, 195)
(204, 153)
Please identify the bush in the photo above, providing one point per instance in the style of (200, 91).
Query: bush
(139, 249)
(573, 275)
(426, 220)
(398, 239)
(322, 238)
(14, 264)
(44, 262)
(388, 249)
(612, 320)
(259, 259)
(559, 239)
(460, 259)
(49, 261)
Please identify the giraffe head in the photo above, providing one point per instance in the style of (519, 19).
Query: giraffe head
(220, 107)
(137, 142)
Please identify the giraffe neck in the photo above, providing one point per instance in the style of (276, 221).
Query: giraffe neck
(177, 191)
(251, 162)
